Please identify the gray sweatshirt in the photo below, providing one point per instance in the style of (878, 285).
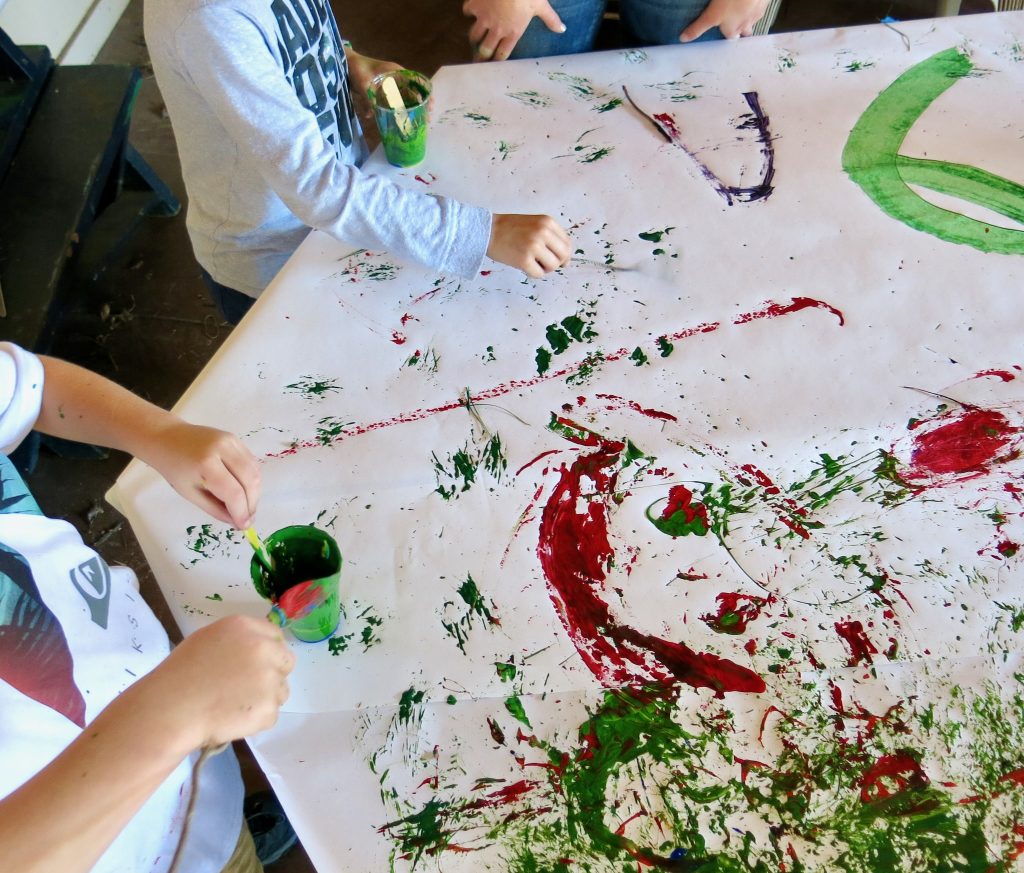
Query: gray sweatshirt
(258, 95)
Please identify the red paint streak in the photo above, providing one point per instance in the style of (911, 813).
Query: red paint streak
(1013, 490)
(534, 461)
(430, 782)
(432, 179)
(1005, 375)
(621, 829)
(485, 272)
(966, 443)
(774, 310)
(398, 339)
(669, 123)
(691, 575)
(680, 499)
(734, 612)
(575, 554)
(1017, 847)
(423, 297)
(407, 318)
(761, 478)
(750, 646)
(892, 774)
(861, 648)
(636, 407)
(515, 385)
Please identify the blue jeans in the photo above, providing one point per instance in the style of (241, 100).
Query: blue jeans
(648, 22)
(231, 303)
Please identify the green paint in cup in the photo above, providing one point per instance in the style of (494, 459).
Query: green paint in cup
(403, 132)
(302, 554)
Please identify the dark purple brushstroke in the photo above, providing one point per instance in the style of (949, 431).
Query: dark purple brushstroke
(754, 120)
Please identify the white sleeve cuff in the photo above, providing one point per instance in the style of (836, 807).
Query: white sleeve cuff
(21, 394)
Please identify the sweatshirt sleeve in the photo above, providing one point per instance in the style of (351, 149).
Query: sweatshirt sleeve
(226, 56)
(21, 394)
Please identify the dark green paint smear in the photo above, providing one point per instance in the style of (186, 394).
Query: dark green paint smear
(871, 158)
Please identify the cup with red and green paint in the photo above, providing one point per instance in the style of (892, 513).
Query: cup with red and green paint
(303, 584)
(401, 104)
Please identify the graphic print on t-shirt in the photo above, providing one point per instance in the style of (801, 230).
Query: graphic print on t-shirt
(34, 654)
(310, 46)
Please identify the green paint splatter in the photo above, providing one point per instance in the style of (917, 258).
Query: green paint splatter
(665, 348)
(614, 103)
(409, 705)
(857, 66)
(590, 365)
(329, 429)
(531, 98)
(477, 610)
(505, 149)
(458, 472)
(515, 707)
(214, 597)
(506, 671)
(451, 700)
(871, 158)
(786, 61)
(488, 355)
(638, 357)
(478, 118)
(312, 387)
(578, 327)
(656, 235)
(543, 359)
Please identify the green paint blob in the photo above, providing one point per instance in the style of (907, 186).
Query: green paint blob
(543, 361)
(871, 158)
(515, 707)
(506, 672)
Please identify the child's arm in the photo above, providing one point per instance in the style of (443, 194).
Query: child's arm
(733, 17)
(499, 24)
(209, 467)
(242, 84)
(223, 682)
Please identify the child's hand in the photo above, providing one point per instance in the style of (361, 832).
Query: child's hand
(209, 467)
(535, 244)
(224, 682)
(500, 23)
(361, 70)
(733, 17)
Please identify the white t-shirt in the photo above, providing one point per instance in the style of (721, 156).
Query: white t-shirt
(74, 633)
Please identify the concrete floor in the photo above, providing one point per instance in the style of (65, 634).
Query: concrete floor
(148, 323)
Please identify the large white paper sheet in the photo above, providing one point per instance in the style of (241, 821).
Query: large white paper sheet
(701, 553)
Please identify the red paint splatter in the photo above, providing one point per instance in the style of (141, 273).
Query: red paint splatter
(407, 318)
(1004, 375)
(735, 611)
(774, 310)
(861, 648)
(521, 384)
(398, 339)
(965, 443)
(890, 775)
(618, 402)
(680, 499)
(575, 554)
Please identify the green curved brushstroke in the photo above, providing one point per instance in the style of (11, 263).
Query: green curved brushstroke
(871, 158)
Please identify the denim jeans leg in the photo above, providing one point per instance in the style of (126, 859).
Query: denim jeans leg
(581, 19)
(231, 303)
(659, 22)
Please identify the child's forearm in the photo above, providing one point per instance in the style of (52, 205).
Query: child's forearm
(83, 406)
(65, 817)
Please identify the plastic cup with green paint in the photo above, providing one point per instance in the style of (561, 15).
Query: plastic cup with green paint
(400, 102)
(303, 586)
